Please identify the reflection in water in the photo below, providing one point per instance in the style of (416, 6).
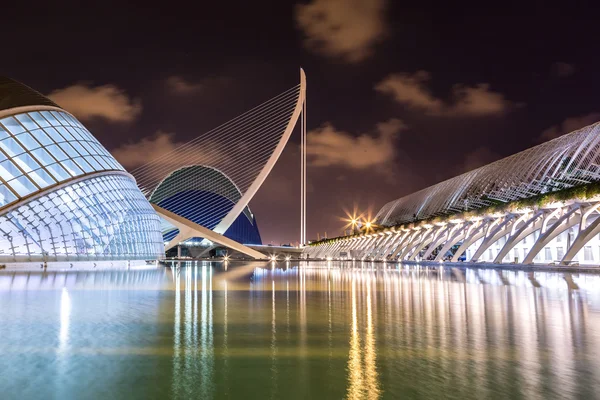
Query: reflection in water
(354, 330)
(65, 318)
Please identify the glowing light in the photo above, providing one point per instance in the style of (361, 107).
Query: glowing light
(273, 257)
(288, 258)
(225, 258)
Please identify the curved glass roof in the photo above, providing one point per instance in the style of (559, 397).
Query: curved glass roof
(39, 149)
(567, 161)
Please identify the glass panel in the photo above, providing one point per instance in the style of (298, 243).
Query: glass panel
(71, 167)
(37, 117)
(49, 117)
(69, 149)
(26, 162)
(103, 162)
(65, 133)
(42, 137)
(8, 170)
(28, 141)
(57, 152)
(53, 133)
(6, 196)
(3, 133)
(95, 164)
(59, 172)
(84, 165)
(82, 150)
(26, 121)
(77, 133)
(69, 119)
(12, 125)
(59, 117)
(72, 133)
(43, 157)
(11, 147)
(23, 186)
(42, 178)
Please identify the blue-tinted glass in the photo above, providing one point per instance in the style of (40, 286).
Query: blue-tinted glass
(82, 150)
(71, 167)
(42, 178)
(26, 162)
(77, 132)
(6, 196)
(84, 165)
(70, 120)
(50, 118)
(3, 133)
(42, 137)
(69, 150)
(59, 172)
(43, 156)
(22, 185)
(8, 170)
(28, 141)
(94, 163)
(73, 133)
(37, 117)
(26, 121)
(65, 133)
(59, 117)
(11, 147)
(53, 133)
(12, 125)
(100, 160)
(56, 152)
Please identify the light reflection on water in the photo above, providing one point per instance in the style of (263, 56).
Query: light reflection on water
(318, 330)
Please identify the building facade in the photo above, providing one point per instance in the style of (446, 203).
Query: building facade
(63, 197)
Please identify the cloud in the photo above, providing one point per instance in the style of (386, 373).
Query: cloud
(108, 102)
(134, 154)
(569, 125)
(412, 91)
(328, 146)
(346, 29)
(178, 85)
(562, 69)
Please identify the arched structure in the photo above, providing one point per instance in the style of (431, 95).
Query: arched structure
(540, 205)
(567, 161)
(63, 197)
(229, 163)
(204, 195)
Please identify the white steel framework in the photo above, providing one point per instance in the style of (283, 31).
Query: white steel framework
(558, 232)
(244, 149)
(564, 162)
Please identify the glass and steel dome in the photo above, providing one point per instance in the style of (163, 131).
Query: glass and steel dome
(204, 195)
(62, 195)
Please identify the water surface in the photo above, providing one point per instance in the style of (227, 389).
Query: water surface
(308, 331)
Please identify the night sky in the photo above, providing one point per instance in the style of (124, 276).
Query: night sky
(400, 95)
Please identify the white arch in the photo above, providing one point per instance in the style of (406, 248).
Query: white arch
(243, 202)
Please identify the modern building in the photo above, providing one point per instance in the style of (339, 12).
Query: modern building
(536, 206)
(204, 195)
(63, 197)
(202, 188)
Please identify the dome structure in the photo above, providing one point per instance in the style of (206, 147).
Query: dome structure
(63, 197)
(204, 195)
